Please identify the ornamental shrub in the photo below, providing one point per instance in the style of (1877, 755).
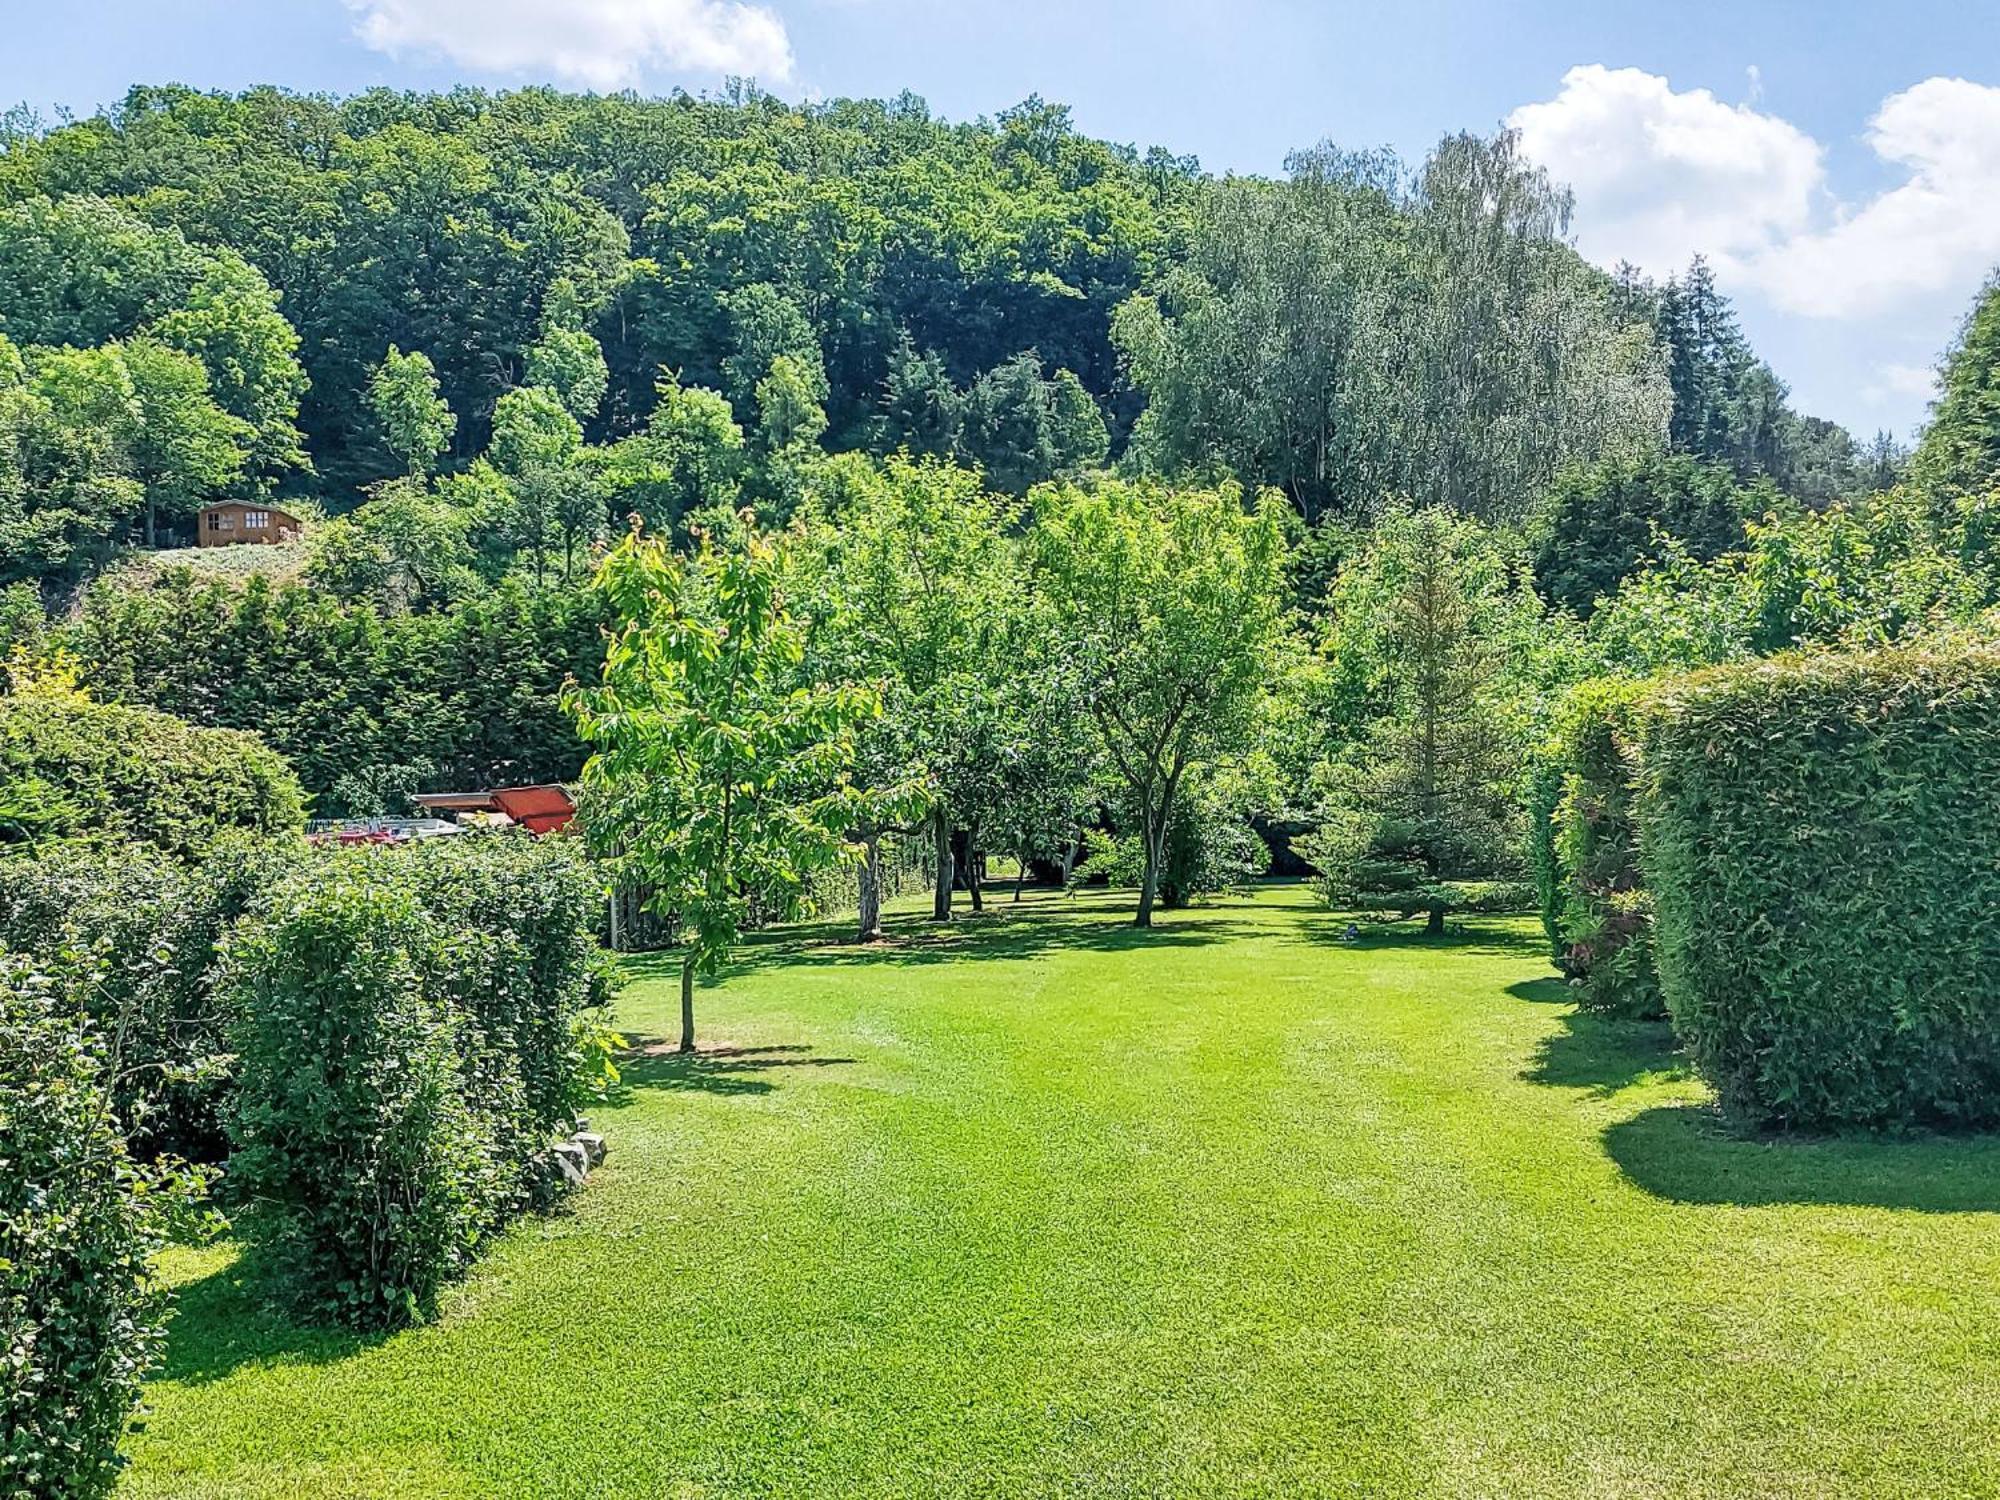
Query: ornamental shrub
(81, 1318)
(1822, 838)
(411, 1025)
(1604, 918)
(70, 768)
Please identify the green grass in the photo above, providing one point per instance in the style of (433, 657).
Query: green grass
(1050, 1208)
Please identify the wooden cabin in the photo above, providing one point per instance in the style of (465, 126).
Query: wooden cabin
(234, 522)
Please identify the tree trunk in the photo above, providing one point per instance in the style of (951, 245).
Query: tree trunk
(152, 515)
(687, 1002)
(1149, 881)
(1434, 925)
(947, 867)
(972, 869)
(871, 890)
(1021, 873)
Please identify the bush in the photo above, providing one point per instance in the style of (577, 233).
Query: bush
(1543, 795)
(153, 926)
(81, 1318)
(1820, 837)
(1604, 916)
(70, 767)
(412, 1025)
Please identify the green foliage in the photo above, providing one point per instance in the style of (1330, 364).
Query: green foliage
(1602, 524)
(1818, 838)
(412, 1026)
(415, 422)
(82, 1319)
(1605, 920)
(1168, 603)
(717, 781)
(406, 549)
(342, 691)
(149, 927)
(1960, 449)
(72, 768)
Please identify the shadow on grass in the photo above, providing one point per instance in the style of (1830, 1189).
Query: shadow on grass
(991, 935)
(1601, 1053)
(1687, 1154)
(237, 1316)
(654, 1063)
(1480, 939)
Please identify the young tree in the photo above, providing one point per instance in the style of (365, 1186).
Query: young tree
(184, 447)
(1171, 602)
(716, 781)
(1425, 802)
(415, 422)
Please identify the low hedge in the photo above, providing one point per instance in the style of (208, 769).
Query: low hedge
(82, 1319)
(71, 767)
(1822, 837)
(412, 1025)
(1603, 912)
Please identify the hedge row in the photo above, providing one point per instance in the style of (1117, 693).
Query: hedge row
(71, 767)
(1822, 836)
(411, 1025)
(81, 1318)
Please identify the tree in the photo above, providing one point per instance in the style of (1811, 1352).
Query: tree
(405, 549)
(1170, 602)
(415, 421)
(184, 448)
(716, 782)
(1426, 804)
(1960, 450)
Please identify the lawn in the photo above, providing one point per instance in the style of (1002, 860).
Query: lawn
(1046, 1207)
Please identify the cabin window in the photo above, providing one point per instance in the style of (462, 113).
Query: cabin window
(218, 521)
(256, 520)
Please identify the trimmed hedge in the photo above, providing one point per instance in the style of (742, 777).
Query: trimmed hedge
(1603, 913)
(155, 927)
(70, 767)
(81, 1319)
(412, 1024)
(1822, 837)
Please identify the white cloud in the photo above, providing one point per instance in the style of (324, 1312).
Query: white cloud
(1660, 175)
(602, 44)
(1939, 229)
(1903, 380)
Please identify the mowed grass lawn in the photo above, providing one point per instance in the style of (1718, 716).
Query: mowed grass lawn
(1049, 1208)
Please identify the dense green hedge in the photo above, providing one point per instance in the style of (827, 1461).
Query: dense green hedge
(1604, 913)
(72, 767)
(1821, 837)
(411, 1024)
(81, 1318)
(154, 924)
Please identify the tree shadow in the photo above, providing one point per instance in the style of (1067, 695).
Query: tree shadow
(1685, 1153)
(239, 1315)
(656, 1063)
(1483, 939)
(1601, 1053)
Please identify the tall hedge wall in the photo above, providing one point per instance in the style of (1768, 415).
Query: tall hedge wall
(72, 767)
(1822, 837)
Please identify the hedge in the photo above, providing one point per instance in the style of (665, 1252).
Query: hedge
(1603, 912)
(411, 1024)
(72, 767)
(1822, 836)
(155, 925)
(82, 1320)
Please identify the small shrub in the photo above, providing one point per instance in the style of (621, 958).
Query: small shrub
(1820, 837)
(81, 1318)
(1605, 914)
(413, 1025)
(70, 768)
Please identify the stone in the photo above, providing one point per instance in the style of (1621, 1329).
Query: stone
(574, 1162)
(593, 1146)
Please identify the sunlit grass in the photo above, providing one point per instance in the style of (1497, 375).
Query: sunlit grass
(1045, 1207)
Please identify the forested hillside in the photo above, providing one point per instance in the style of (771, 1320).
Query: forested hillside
(849, 275)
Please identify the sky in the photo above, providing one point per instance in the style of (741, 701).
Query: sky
(1837, 161)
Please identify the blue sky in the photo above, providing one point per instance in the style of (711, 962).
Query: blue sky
(1839, 161)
